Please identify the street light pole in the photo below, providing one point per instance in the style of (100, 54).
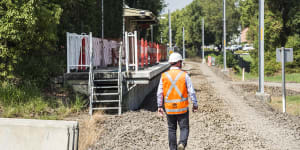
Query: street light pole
(203, 59)
(224, 34)
(261, 46)
(183, 45)
(170, 31)
(102, 20)
(123, 21)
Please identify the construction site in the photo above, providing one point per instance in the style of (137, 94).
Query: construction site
(119, 79)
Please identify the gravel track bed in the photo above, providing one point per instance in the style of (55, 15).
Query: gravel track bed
(214, 126)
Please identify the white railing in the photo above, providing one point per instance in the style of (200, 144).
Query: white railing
(133, 48)
(137, 53)
(91, 75)
(77, 53)
(120, 79)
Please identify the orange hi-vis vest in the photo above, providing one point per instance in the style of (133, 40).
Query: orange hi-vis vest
(175, 92)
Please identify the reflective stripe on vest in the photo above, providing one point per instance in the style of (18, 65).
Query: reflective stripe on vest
(177, 110)
(180, 104)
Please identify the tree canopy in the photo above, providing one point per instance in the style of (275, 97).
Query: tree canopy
(282, 22)
(33, 32)
(191, 18)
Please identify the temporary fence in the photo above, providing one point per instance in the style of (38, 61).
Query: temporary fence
(105, 52)
(136, 53)
(142, 53)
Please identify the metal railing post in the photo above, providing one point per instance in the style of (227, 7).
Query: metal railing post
(126, 50)
(90, 86)
(136, 52)
(68, 52)
(120, 80)
(283, 80)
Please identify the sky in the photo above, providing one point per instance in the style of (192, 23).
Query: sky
(175, 4)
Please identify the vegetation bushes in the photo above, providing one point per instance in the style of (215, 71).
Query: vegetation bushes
(231, 60)
(294, 42)
(27, 101)
(282, 20)
(32, 47)
(191, 18)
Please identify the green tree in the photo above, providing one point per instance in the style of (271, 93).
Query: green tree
(282, 21)
(191, 18)
(26, 27)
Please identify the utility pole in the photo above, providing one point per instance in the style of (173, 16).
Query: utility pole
(183, 45)
(170, 31)
(224, 34)
(123, 22)
(261, 46)
(102, 20)
(203, 58)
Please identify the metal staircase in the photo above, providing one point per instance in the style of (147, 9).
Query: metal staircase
(106, 89)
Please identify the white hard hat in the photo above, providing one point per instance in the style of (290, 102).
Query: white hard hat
(175, 57)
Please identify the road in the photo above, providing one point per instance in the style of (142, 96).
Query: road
(228, 118)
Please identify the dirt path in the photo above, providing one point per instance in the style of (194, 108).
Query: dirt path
(224, 121)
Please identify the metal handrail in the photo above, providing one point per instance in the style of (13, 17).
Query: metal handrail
(120, 79)
(91, 73)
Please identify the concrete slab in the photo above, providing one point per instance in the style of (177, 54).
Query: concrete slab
(150, 72)
(263, 96)
(147, 73)
(30, 134)
(142, 81)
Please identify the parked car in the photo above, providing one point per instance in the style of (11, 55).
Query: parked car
(248, 47)
(240, 47)
(234, 48)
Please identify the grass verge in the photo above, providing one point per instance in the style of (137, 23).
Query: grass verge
(89, 130)
(292, 104)
(293, 77)
(27, 101)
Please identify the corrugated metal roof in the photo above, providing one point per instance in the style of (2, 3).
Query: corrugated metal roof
(139, 13)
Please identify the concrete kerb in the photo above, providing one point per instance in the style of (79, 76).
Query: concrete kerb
(30, 134)
(263, 97)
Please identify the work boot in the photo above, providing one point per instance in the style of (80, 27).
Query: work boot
(180, 147)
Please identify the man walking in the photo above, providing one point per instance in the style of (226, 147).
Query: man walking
(174, 88)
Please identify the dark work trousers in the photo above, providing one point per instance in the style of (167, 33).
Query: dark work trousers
(183, 121)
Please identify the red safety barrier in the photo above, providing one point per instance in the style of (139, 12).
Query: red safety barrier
(154, 53)
(162, 52)
(82, 56)
(142, 52)
(157, 53)
(138, 52)
(165, 52)
(146, 53)
(151, 53)
(209, 60)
